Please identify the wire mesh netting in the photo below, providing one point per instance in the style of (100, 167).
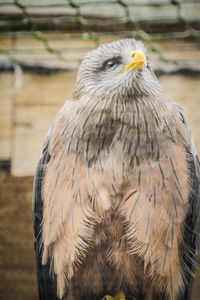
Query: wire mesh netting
(59, 33)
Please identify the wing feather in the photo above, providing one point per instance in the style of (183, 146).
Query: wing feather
(191, 236)
(47, 285)
(47, 279)
(61, 191)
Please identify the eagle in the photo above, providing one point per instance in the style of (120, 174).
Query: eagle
(116, 203)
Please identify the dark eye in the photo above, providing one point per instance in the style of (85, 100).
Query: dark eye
(109, 64)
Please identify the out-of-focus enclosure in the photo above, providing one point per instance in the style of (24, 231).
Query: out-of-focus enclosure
(41, 45)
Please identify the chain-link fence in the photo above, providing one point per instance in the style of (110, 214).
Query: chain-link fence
(54, 24)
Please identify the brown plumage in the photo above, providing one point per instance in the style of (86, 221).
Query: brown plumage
(118, 178)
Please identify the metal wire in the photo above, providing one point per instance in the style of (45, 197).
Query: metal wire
(91, 20)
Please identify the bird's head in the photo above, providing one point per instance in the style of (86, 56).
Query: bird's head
(118, 68)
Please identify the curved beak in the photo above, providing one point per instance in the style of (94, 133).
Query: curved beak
(139, 61)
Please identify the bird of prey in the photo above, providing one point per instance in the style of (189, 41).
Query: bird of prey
(116, 193)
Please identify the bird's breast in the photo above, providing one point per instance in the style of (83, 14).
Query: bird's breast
(117, 178)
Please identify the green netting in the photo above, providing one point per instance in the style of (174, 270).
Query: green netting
(148, 20)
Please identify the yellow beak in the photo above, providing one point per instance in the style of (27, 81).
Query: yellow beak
(139, 61)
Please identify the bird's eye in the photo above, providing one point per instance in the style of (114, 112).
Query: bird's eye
(110, 64)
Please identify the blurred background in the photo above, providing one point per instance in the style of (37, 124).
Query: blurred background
(41, 45)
